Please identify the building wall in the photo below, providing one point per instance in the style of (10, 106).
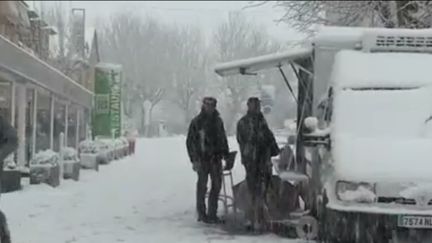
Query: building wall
(17, 27)
(9, 20)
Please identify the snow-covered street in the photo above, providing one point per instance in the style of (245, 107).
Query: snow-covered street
(149, 197)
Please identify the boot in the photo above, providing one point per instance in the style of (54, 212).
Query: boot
(215, 220)
(203, 218)
(248, 225)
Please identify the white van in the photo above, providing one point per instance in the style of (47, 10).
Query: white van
(369, 128)
(377, 172)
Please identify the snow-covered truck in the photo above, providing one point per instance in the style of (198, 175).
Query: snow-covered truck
(365, 116)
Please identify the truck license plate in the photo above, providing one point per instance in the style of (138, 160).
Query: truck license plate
(418, 222)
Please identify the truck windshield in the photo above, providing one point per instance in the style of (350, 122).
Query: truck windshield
(382, 112)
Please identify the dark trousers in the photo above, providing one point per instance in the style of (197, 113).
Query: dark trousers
(214, 169)
(131, 146)
(258, 176)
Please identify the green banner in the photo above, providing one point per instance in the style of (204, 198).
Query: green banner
(107, 110)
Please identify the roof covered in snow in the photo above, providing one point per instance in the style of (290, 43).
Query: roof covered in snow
(356, 69)
(109, 66)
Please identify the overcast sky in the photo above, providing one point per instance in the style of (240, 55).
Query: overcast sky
(207, 14)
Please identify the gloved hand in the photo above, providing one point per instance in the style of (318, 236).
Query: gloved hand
(196, 166)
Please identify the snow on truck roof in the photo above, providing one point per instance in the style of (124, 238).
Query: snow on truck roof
(357, 69)
(336, 35)
(376, 39)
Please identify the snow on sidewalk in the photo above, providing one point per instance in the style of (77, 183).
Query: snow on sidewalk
(149, 197)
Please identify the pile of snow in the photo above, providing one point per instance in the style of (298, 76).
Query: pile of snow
(362, 194)
(69, 154)
(46, 157)
(423, 189)
(356, 69)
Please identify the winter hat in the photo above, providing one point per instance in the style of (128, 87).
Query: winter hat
(255, 100)
(210, 100)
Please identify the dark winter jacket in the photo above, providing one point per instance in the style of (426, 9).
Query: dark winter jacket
(256, 140)
(8, 139)
(206, 138)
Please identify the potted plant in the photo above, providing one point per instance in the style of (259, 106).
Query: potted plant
(88, 154)
(45, 168)
(11, 177)
(71, 163)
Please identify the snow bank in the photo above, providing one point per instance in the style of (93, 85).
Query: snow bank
(355, 69)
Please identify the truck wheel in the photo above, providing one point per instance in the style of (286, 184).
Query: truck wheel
(307, 228)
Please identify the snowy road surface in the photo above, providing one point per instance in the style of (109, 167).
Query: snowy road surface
(145, 198)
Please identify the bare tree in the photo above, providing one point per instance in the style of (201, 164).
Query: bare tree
(235, 39)
(143, 46)
(191, 64)
(304, 15)
(57, 14)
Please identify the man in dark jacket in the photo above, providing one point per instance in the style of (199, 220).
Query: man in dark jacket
(207, 145)
(8, 144)
(257, 146)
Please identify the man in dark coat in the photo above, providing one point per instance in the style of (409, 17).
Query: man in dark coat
(8, 144)
(207, 145)
(257, 146)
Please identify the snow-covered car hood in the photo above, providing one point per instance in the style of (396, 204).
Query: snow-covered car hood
(382, 160)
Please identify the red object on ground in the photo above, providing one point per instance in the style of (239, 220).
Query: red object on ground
(131, 137)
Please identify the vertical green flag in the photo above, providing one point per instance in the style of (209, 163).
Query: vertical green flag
(107, 110)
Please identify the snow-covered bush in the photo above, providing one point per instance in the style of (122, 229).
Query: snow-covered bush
(88, 146)
(106, 143)
(47, 157)
(71, 163)
(45, 168)
(124, 141)
(9, 162)
(69, 154)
